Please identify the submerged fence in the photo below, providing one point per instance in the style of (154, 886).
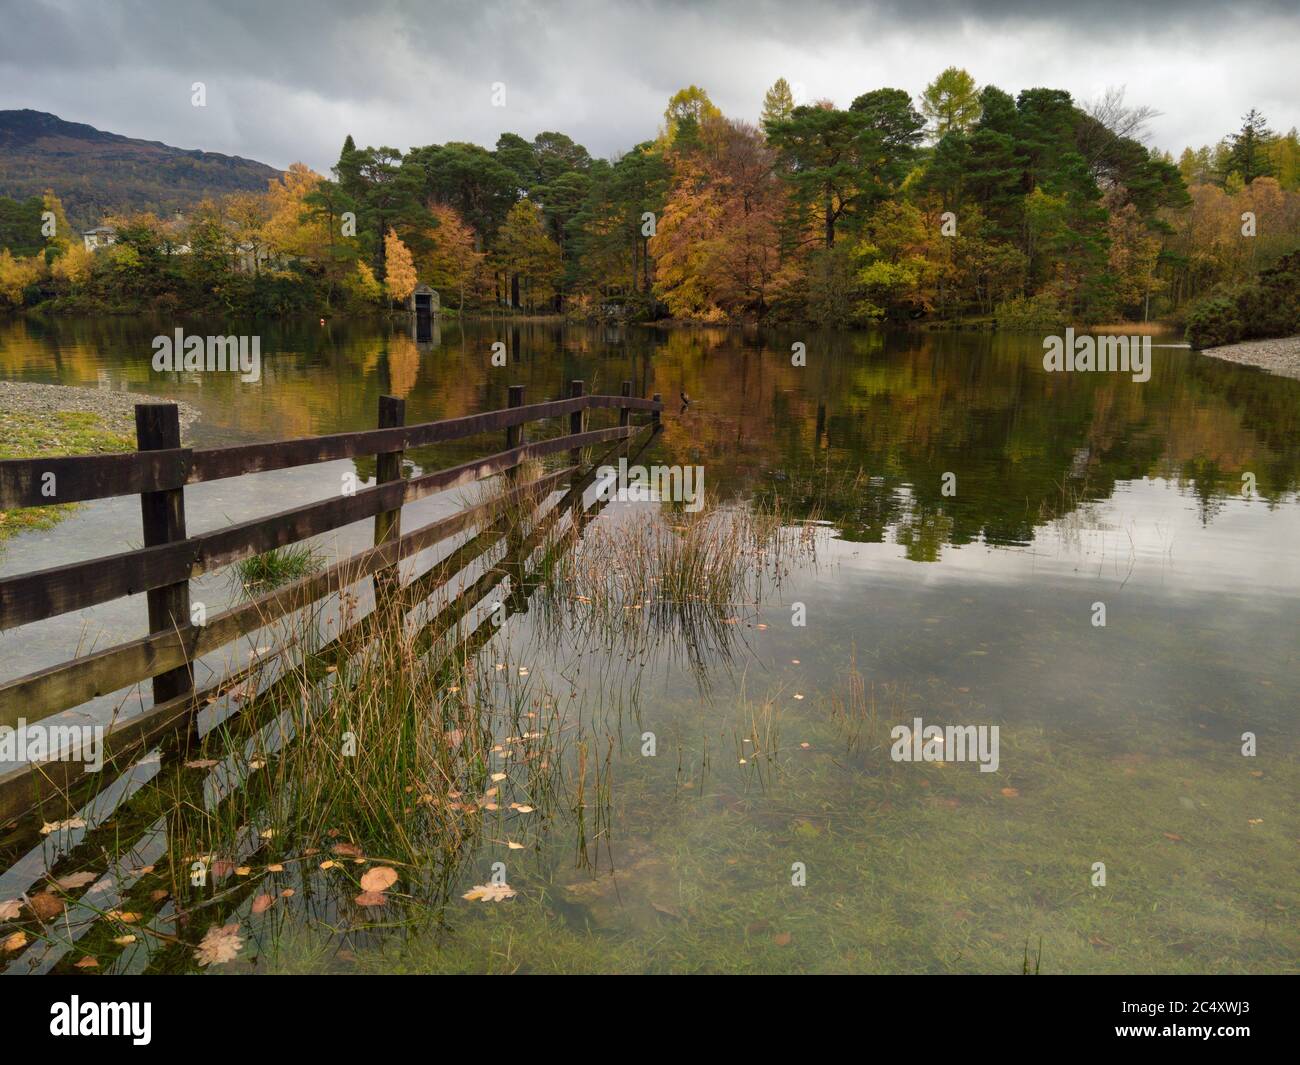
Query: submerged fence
(160, 470)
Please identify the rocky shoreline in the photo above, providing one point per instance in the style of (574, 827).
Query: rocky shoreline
(116, 408)
(1280, 356)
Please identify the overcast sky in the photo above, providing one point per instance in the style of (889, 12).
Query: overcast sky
(287, 80)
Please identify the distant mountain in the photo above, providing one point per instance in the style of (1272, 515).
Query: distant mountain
(96, 173)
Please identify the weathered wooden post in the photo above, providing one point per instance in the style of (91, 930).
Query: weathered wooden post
(158, 428)
(388, 523)
(625, 412)
(654, 417)
(515, 433)
(575, 422)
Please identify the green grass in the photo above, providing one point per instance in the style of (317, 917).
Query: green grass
(272, 569)
(27, 435)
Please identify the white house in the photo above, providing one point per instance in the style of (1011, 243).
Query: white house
(99, 237)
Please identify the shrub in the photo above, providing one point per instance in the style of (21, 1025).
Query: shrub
(1213, 322)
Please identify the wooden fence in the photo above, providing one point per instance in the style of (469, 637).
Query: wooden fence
(159, 471)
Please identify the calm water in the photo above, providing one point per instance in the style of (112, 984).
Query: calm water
(1119, 744)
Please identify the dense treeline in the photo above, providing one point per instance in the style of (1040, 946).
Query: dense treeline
(966, 204)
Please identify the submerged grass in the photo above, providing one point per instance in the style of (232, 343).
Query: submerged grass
(459, 749)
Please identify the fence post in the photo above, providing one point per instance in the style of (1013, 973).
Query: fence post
(654, 416)
(624, 412)
(515, 433)
(575, 422)
(388, 523)
(158, 428)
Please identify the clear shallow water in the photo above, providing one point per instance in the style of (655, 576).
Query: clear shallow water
(1118, 744)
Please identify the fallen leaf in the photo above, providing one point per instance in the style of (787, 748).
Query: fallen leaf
(220, 945)
(46, 906)
(489, 893)
(54, 826)
(125, 916)
(9, 909)
(328, 864)
(275, 867)
(782, 939)
(243, 870)
(263, 903)
(1011, 793)
(14, 942)
(498, 776)
(201, 763)
(347, 850)
(88, 963)
(514, 846)
(287, 893)
(124, 941)
(1254, 821)
(75, 880)
(523, 809)
(1174, 836)
(380, 878)
(371, 898)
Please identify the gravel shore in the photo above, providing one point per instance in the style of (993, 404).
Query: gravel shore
(1281, 356)
(117, 408)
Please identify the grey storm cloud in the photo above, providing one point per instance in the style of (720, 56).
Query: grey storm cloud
(287, 81)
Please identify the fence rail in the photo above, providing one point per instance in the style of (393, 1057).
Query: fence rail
(159, 472)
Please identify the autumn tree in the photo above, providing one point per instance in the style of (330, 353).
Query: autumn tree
(400, 278)
(951, 103)
(453, 263)
(528, 256)
(778, 104)
(717, 248)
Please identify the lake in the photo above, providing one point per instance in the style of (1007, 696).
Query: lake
(972, 513)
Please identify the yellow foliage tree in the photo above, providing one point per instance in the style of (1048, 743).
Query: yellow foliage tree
(62, 236)
(73, 266)
(453, 263)
(291, 230)
(361, 284)
(399, 277)
(16, 273)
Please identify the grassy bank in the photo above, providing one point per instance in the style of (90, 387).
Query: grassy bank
(27, 434)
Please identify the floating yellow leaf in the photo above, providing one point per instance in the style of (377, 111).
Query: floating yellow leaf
(219, 945)
(489, 893)
(263, 903)
(380, 878)
(124, 941)
(14, 942)
(88, 963)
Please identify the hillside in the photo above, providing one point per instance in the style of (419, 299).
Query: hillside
(96, 173)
